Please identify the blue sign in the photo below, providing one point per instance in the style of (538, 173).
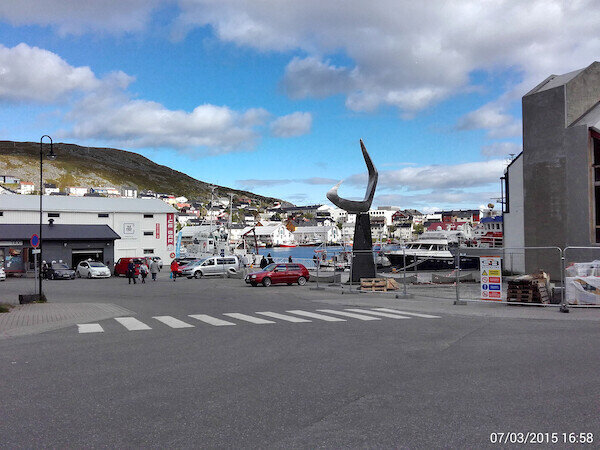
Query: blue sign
(35, 241)
(484, 287)
(222, 252)
(495, 287)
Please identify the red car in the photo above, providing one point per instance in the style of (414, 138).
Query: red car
(279, 274)
(122, 263)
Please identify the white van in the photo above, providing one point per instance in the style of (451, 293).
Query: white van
(215, 265)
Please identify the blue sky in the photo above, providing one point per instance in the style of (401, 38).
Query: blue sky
(273, 96)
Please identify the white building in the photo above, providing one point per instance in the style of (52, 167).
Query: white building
(146, 227)
(272, 235)
(108, 191)
(26, 187)
(76, 191)
(50, 188)
(318, 234)
(129, 192)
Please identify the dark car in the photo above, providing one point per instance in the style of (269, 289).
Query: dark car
(279, 274)
(122, 263)
(59, 271)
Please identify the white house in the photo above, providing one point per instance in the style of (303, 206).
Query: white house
(26, 187)
(129, 192)
(272, 235)
(76, 191)
(146, 227)
(318, 234)
(50, 188)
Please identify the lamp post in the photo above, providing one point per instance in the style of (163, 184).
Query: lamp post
(50, 155)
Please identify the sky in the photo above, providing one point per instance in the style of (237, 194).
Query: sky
(273, 96)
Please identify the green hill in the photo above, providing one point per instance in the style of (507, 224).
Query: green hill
(98, 167)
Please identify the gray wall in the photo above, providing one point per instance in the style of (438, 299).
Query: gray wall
(514, 236)
(56, 250)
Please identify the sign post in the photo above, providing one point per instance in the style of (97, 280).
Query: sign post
(491, 277)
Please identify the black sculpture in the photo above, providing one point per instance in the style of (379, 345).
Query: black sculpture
(363, 265)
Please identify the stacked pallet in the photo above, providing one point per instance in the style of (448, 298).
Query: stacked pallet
(529, 289)
(378, 284)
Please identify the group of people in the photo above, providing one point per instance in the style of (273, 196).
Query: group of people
(143, 269)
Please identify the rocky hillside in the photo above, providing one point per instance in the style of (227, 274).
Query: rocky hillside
(96, 167)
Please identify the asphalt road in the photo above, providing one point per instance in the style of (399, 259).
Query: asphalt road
(415, 383)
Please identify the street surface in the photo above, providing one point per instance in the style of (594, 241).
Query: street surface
(215, 363)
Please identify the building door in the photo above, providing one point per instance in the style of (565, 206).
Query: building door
(89, 253)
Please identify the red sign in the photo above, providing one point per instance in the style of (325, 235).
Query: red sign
(495, 295)
(495, 280)
(158, 231)
(170, 231)
(172, 255)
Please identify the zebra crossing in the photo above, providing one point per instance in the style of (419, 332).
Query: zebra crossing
(295, 316)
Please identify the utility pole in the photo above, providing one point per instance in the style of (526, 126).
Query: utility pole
(212, 192)
(230, 208)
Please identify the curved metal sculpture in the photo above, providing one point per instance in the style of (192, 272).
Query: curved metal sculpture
(353, 206)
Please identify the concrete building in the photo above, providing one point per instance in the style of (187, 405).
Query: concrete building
(560, 167)
(68, 243)
(145, 227)
(26, 187)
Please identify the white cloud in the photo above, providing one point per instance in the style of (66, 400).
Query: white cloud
(79, 17)
(295, 124)
(310, 77)
(35, 75)
(142, 123)
(451, 176)
(436, 200)
(491, 118)
(500, 149)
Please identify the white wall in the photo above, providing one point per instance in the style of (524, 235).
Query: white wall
(514, 222)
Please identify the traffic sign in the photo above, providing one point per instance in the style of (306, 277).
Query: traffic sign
(172, 255)
(222, 252)
(35, 241)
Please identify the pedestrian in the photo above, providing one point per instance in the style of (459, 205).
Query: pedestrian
(290, 259)
(316, 260)
(263, 263)
(269, 259)
(144, 272)
(154, 269)
(131, 272)
(174, 269)
(244, 261)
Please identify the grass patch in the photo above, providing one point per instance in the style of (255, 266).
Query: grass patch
(5, 307)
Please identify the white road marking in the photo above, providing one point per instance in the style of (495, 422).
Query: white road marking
(347, 314)
(90, 328)
(248, 318)
(316, 316)
(426, 316)
(211, 320)
(173, 322)
(283, 317)
(377, 313)
(132, 324)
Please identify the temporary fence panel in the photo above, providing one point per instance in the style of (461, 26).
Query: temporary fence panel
(582, 276)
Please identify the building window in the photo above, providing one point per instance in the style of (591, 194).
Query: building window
(53, 215)
(148, 216)
(1, 213)
(596, 175)
(102, 215)
(148, 251)
(148, 233)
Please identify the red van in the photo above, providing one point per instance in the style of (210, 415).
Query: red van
(279, 274)
(122, 263)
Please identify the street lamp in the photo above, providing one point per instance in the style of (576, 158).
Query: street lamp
(50, 155)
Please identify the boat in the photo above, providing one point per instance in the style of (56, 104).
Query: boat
(432, 252)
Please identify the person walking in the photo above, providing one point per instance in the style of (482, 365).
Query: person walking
(174, 269)
(269, 259)
(263, 263)
(131, 272)
(154, 269)
(144, 272)
(290, 259)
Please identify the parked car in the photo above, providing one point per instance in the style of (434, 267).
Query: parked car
(92, 269)
(279, 274)
(58, 271)
(122, 263)
(215, 265)
(2, 274)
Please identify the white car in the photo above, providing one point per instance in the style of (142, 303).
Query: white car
(92, 269)
(2, 274)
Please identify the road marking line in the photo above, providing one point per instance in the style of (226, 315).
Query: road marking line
(426, 316)
(283, 317)
(90, 328)
(377, 313)
(248, 318)
(132, 324)
(316, 316)
(173, 322)
(347, 314)
(211, 320)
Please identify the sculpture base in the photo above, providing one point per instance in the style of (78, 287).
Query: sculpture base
(363, 264)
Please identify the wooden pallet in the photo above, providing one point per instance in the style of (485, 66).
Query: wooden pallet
(373, 284)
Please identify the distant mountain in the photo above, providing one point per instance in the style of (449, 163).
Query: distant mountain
(98, 167)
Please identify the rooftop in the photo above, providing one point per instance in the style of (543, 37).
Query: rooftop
(23, 232)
